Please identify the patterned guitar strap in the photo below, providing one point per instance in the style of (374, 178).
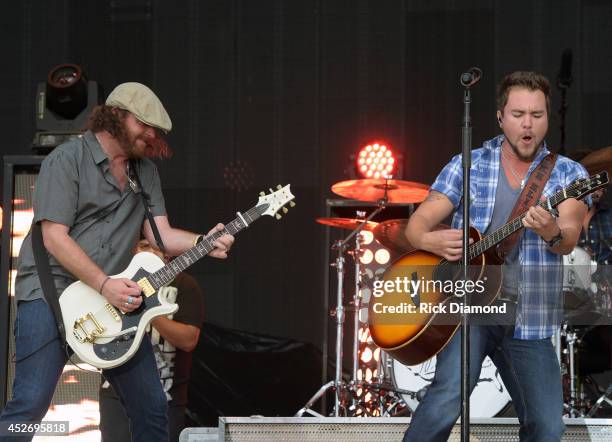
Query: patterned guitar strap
(528, 197)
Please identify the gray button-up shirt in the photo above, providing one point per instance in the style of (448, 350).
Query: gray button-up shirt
(76, 188)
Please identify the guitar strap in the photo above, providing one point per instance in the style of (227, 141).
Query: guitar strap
(41, 258)
(528, 197)
(146, 199)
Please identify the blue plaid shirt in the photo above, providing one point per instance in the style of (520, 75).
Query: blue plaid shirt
(540, 304)
(598, 237)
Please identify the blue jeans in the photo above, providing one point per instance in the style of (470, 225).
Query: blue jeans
(40, 360)
(529, 369)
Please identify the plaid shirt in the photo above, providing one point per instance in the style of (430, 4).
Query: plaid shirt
(540, 305)
(598, 237)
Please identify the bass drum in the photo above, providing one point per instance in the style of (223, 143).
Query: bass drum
(488, 399)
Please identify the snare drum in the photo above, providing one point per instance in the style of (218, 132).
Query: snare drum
(488, 399)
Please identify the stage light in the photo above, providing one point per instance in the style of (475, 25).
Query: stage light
(366, 355)
(376, 160)
(367, 237)
(63, 104)
(382, 256)
(366, 257)
(66, 91)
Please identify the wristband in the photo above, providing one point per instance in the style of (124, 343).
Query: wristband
(555, 240)
(198, 239)
(104, 282)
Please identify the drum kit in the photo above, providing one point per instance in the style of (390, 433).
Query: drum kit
(584, 342)
(396, 389)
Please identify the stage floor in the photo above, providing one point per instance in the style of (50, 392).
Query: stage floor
(305, 429)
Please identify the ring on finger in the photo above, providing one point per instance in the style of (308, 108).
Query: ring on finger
(130, 300)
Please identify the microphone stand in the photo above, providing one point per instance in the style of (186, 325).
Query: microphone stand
(564, 81)
(467, 80)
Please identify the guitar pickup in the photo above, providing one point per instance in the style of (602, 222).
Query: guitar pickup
(83, 330)
(146, 286)
(112, 311)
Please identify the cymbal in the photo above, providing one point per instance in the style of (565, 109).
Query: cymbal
(398, 191)
(598, 161)
(346, 223)
(391, 234)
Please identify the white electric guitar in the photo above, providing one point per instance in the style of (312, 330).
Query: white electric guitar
(106, 337)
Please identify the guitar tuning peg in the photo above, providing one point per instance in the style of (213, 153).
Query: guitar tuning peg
(292, 203)
(279, 187)
(285, 210)
(262, 193)
(278, 216)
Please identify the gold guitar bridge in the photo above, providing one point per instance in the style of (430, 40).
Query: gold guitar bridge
(83, 330)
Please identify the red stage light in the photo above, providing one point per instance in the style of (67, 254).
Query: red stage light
(376, 160)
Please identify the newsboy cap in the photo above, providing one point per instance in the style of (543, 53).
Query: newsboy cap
(142, 103)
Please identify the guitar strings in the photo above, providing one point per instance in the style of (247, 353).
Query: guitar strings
(181, 262)
(512, 226)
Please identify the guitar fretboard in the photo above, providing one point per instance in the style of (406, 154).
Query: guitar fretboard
(494, 238)
(167, 273)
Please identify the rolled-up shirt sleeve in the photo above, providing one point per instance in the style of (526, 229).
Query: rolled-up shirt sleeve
(450, 181)
(56, 189)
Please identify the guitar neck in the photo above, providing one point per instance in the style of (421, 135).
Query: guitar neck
(167, 273)
(514, 225)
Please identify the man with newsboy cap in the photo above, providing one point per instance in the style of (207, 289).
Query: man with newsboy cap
(91, 216)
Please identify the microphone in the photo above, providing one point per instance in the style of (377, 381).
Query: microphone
(471, 77)
(564, 78)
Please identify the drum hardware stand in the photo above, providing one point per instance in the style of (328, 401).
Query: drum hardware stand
(357, 306)
(605, 397)
(339, 386)
(571, 339)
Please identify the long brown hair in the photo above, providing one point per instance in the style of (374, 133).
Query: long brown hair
(111, 119)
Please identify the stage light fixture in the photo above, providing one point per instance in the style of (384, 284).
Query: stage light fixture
(376, 160)
(66, 91)
(63, 104)
(367, 237)
(366, 257)
(382, 256)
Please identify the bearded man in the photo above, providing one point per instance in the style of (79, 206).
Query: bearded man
(88, 203)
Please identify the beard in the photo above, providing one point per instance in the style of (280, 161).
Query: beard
(143, 146)
(134, 149)
(522, 156)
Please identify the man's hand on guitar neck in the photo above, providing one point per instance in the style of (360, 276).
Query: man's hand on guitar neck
(178, 241)
(569, 221)
(541, 222)
(223, 244)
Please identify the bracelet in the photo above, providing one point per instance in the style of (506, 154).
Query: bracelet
(104, 282)
(198, 239)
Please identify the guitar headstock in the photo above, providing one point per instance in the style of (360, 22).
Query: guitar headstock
(583, 186)
(276, 200)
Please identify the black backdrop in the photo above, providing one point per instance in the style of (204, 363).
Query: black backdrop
(292, 88)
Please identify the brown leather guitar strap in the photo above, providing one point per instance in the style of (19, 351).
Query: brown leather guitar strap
(528, 197)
